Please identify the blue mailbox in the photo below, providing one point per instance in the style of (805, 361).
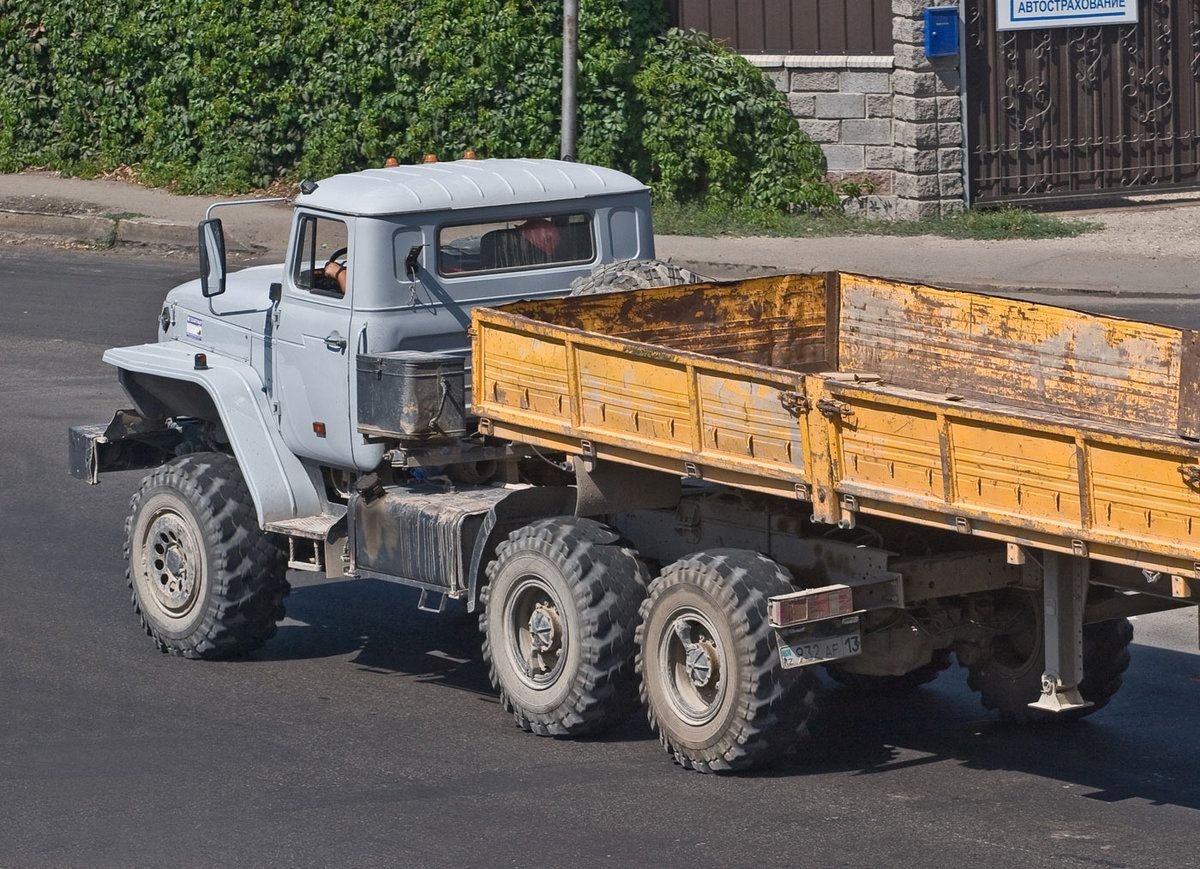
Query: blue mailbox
(941, 31)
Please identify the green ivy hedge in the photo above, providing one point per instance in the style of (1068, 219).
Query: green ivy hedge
(229, 95)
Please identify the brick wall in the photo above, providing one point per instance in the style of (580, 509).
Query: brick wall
(890, 126)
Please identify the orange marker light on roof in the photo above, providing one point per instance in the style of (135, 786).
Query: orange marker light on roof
(469, 155)
(390, 162)
(431, 158)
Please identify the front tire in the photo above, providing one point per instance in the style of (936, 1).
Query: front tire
(205, 581)
(711, 679)
(559, 613)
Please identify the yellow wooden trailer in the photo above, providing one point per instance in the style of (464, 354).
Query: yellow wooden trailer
(1031, 424)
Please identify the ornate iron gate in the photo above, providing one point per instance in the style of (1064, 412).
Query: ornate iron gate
(1095, 110)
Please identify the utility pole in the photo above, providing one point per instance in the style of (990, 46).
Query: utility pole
(569, 86)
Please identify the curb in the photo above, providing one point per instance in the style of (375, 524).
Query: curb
(104, 231)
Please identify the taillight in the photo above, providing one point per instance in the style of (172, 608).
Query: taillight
(810, 605)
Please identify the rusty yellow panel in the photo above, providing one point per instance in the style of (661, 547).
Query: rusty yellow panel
(1011, 352)
(632, 397)
(777, 320)
(523, 372)
(1015, 471)
(1141, 494)
(745, 418)
(891, 449)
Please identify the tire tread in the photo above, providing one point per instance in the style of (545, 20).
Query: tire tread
(777, 704)
(608, 581)
(248, 566)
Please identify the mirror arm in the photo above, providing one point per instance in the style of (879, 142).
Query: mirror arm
(229, 202)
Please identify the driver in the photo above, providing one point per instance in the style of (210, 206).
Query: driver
(337, 272)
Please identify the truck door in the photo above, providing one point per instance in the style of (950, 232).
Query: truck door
(313, 351)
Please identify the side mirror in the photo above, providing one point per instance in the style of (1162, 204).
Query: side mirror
(275, 292)
(212, 258)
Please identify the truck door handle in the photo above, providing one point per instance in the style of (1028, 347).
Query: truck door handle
(334, 341)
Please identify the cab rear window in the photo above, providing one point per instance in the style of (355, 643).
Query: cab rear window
(516, 245)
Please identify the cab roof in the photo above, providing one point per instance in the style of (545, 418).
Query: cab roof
(464, 184)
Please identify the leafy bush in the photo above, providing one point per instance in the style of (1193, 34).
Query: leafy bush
(231, 94)
(715, 129)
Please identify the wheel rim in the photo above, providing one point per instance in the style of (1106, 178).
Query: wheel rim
(535, 632)
(693, 666)
(172, 565)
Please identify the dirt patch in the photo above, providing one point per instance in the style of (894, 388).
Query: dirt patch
(1146, 231)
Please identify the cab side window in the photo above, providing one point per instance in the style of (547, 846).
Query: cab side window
(321, 239)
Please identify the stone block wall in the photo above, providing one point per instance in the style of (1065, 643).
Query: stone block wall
(890, 126)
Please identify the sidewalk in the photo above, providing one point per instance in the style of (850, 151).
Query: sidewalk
(1147, 251)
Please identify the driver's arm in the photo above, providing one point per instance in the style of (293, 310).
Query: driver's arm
(337, 271)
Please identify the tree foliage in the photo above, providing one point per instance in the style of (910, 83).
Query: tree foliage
(229, 95)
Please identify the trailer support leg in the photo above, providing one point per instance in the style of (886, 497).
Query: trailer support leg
(1064, 593)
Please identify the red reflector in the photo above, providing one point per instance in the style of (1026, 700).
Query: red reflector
(832, 603)
(789, 612)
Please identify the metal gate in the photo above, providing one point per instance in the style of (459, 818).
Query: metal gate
(1083, 111)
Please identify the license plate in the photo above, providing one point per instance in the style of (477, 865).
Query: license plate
(814, 643)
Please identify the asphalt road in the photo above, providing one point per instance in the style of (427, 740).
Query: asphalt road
(366, 734)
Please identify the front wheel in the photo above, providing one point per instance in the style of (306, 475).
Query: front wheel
(205, 581)
(711, 678)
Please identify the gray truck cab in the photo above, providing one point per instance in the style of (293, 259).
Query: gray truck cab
(422, 246)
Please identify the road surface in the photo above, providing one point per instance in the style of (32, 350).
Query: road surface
(366, 734)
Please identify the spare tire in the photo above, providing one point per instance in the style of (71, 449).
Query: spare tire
(634, 274)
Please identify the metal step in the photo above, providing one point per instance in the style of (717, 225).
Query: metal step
(310, 527)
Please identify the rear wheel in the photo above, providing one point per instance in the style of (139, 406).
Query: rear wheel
(205, 581)
(1010, 677)
(559, 614)
(711, 679)
(633, 274)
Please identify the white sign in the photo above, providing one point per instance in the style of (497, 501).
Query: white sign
(1041, 14)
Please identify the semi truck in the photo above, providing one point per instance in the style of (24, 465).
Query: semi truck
(659, 493)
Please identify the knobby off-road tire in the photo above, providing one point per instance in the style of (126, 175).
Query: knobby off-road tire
(725, 703)
(909, 681)
(1011, 678)
(559, 612)
(205, 581)
(633, 274)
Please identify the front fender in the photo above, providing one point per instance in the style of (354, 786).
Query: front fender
(278, 482)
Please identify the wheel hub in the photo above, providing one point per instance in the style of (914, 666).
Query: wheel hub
(544, 628)
(692, 663)
(171, 563)
(536, 634)
(701, 663)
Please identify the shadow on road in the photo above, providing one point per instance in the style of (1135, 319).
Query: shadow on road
(379, 624)
(1142, 746)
